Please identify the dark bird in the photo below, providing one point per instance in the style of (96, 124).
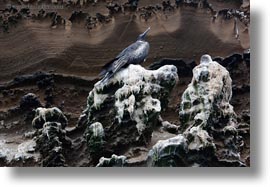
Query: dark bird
(136, 53)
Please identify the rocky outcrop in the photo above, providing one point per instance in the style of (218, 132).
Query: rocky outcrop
(68, 51)
(238, 65)
(129, 105)
(12, 154)
(131, 5)
(51, 139)
(44, 115)
(168, 153)
(209, 135)
(94, 136)
(29, 101)
(210, 91)
(114, 161)
(246, 57)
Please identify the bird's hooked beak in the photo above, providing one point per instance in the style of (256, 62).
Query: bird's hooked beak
(145, 32)
(142, 36)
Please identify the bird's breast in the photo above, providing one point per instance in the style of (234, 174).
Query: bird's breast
(142, 49)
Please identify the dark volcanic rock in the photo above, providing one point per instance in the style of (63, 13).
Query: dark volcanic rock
(131, 5)
(234, 64)
(114, 8)
(51, 143)
(56, 19)
(78, 16)
(241, 89)
(51, 139)
(94, 136)
(184, 68)
(244, 123)
(29, 101)
(246, 57)
(167, 6)
(148, 11)
(231, 62)
(10, 17)
(102, 18)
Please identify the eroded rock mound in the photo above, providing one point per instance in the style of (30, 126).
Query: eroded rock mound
(168, 152)
(48, 115)
(207, 97)
(129, 105)
(209, 135)
(51, 139)
(18, 155)
(29, 101)
(94, 135)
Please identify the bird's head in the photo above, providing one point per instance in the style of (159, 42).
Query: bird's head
(206, 59)
(142, 36)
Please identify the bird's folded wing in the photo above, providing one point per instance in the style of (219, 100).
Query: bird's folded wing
(114, 68)
(127, 50)
(118, 64)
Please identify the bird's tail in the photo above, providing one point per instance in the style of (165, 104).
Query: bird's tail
(111, 68)
(107, 68)
(105, 79)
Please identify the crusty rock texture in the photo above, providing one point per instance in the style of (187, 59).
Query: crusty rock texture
(168, 153)
(129, 105)
(29, 101)
(48, 115)
(94, 135)
(114, 161)
(74, 39)
(20, 155)
(207, 96)
(51, 139)
(208, 132)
